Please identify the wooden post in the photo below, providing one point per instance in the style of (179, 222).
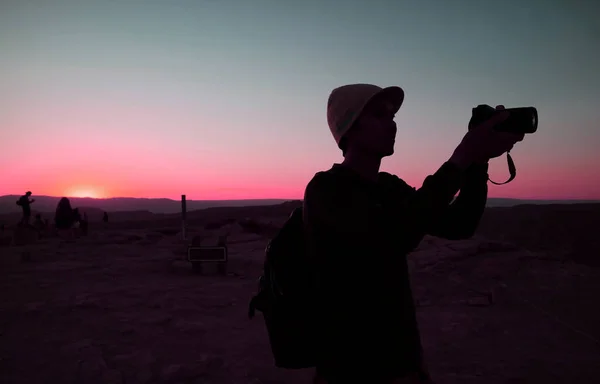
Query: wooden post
(183, 217)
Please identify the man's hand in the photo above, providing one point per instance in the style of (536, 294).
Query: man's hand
(484, 142)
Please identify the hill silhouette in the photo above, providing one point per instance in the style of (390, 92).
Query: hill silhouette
(48, 204)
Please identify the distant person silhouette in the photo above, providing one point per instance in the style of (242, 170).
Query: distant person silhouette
(361, 223)
(105, 217)
(65, 216)
(25, 203)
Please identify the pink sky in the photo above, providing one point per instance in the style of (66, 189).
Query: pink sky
(100, 148)
(136, 170)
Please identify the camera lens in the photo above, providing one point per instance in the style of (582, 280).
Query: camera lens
(534, 119)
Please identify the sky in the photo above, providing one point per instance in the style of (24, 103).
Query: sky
(223, 99)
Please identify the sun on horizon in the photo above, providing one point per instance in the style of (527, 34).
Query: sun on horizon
(83, 192)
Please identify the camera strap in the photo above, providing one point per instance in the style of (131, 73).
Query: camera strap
(511, 168)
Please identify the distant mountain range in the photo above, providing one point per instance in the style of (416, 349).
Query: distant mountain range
(166, 206)
(120, 204)
(504, 202)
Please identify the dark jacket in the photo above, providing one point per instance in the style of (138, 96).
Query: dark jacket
(358, 236)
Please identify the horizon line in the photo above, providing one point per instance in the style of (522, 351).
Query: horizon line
(279, 198)
(149, 198)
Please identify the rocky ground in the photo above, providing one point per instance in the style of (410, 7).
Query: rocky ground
(119, 306)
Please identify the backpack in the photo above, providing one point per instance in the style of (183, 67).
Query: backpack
(284, 297)
(19, 202)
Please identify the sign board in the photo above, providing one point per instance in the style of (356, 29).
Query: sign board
(207, 254)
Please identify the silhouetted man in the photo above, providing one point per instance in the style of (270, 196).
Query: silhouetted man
(361, 224)
(25, 204)
(105, 217)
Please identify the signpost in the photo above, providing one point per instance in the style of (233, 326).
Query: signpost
(198, 254)
(183, 217)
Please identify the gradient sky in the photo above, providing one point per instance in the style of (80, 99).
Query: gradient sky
(223, 99)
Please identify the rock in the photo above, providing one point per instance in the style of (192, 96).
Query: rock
(26, 256)
(112, 376)
(174, 372)
(190, 326)
(34, 307)
(159, 319)
(154, 236)
(85, 301)
(90, 370)
(143, 362)
(144, 375)
(169, 231)
(76, 346)
(481, 301)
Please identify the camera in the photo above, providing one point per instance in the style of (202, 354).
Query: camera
(520, 120)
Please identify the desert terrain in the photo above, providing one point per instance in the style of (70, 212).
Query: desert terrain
(518, 303)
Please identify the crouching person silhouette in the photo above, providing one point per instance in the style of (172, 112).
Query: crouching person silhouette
(361, 223)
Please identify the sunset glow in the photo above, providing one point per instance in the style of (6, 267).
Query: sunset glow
(83, 192)
(114, 99)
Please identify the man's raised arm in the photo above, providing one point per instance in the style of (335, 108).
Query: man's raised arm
(461, 218)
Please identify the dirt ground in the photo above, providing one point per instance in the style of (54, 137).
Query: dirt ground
(119, 308)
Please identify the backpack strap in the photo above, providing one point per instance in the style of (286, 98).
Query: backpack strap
(511, 168)
(252, 307)
(262, 302)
